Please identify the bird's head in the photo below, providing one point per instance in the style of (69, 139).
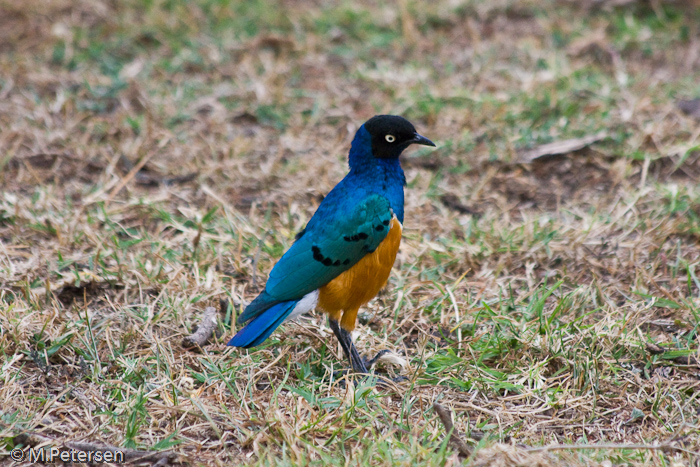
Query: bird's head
(391, 134)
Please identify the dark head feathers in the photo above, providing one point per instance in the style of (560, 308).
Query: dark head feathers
(392, 134)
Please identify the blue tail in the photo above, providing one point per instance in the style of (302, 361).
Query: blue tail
(263, 325)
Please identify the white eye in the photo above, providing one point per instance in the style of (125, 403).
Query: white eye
(390, 138)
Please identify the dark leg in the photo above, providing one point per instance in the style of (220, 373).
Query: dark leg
(359, 364)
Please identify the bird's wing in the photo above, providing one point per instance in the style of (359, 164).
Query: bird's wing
(329, 247)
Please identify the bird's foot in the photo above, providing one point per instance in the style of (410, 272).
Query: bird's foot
(370, 363)
(359, 365)
(362, 367)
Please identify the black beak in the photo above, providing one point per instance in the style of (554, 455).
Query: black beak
(418, 139)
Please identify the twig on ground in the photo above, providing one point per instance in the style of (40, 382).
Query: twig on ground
(204, 331)
(455, 436)
(666, 447)
(451, 201)
(159, 458)
(148, 179)
(654, 349)
(132, 173)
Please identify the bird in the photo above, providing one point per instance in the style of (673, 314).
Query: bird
(344, 255)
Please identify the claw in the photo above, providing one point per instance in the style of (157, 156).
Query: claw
(370, 363)
(358, 364)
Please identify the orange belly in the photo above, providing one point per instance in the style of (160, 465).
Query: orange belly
(342, 297)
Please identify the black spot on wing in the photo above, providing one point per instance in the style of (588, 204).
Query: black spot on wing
(379, 228)
(386, 222)
(325, 260)
(356, 237)
(300, 234)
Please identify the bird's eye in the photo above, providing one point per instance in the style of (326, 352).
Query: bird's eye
(390, 138)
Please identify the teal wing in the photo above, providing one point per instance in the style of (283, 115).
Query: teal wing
(328, 247)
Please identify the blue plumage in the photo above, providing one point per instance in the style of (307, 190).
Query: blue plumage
(368, 175)
(349, 223)
(260, 329)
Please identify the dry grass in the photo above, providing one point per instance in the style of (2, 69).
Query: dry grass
(150, 151)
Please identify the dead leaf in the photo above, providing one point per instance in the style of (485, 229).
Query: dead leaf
(559, 147)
